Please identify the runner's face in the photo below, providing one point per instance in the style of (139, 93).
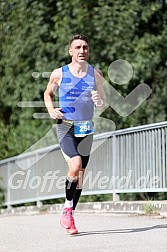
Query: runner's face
(79, 50)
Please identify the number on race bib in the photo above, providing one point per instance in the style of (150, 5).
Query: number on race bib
(83, 128)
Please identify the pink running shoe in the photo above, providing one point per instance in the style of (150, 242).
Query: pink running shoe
(72, 230)
(66, 219)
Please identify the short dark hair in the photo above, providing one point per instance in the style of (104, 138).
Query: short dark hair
(79, 36)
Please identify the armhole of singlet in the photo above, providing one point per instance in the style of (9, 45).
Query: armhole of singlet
(62, 71)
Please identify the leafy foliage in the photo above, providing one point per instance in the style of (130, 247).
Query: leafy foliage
(34, 38)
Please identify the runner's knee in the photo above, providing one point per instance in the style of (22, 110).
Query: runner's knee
(74, 167)
(74, 171)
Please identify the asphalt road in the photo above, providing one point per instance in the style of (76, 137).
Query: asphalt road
(98, 233)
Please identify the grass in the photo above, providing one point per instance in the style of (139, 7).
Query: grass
(150, 209)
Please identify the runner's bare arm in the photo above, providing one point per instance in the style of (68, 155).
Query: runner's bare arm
(49, 93)
(98, 96)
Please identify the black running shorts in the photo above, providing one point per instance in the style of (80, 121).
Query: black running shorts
(71, 145)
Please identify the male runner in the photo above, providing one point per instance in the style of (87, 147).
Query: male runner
(79, 87)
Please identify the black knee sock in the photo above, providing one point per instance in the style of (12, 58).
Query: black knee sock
(70, 188)
(76, 196)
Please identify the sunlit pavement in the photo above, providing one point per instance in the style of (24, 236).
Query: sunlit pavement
(97, 232)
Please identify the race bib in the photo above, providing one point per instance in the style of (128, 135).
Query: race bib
(83, 128)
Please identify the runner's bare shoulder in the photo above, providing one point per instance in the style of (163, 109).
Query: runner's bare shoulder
(98, 72)
(56, 76)
(54, 81)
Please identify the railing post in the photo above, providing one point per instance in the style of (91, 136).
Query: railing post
(8, 187)
(115, 195)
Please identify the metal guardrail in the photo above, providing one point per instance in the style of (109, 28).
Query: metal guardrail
(128, 160)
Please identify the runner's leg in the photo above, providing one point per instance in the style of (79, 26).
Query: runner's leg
(78, 190)
(67, 220)
(74, 165)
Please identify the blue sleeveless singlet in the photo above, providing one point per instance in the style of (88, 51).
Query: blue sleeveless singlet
(75, 95)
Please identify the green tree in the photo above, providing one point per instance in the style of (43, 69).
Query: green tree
(34, 38)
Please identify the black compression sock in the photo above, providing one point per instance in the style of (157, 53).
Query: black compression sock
(70, 188)
(76, 196)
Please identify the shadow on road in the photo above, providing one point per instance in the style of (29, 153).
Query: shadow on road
(112, 231)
